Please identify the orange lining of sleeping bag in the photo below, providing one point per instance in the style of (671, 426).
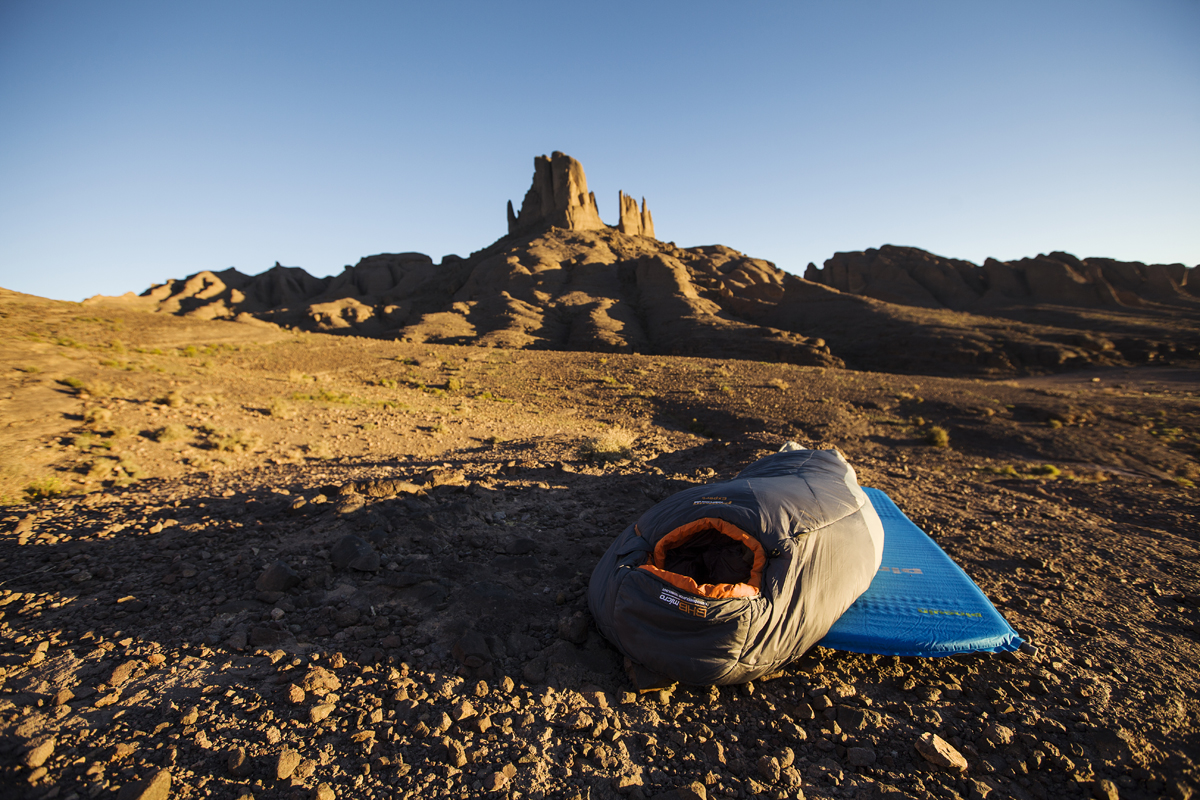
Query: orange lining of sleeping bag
(680, 536)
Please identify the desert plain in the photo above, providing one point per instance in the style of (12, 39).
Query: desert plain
(257, 557)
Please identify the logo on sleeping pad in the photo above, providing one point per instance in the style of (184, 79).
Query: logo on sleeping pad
(688, 605)
(713, 501)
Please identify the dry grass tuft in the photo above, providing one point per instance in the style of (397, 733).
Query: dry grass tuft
(938, 437)
(779, 383)
(615, 444)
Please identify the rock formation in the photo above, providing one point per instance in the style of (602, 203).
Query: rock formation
(633, 222)
(913, 277)
(564, 280)
(559, 198)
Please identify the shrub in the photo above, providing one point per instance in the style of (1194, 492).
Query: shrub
(280, 409)
(615, 444)
(1046, 471)
(97, 417)
(937, 437)
(43, 489)
(169, 433)
(238, 442)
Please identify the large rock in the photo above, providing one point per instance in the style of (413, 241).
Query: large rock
(559, 197)
(632, 221)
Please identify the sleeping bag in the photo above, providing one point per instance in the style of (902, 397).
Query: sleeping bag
(726, 582)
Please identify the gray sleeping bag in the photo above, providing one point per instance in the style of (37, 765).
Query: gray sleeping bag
(726, 582)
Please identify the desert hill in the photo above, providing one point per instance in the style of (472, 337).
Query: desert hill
(563, 280)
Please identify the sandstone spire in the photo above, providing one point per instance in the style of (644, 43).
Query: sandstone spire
(559, 197)
(632, 221)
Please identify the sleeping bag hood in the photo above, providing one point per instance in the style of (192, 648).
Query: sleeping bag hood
(726, 582)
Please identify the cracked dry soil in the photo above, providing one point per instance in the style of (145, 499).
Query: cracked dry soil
(382, 594)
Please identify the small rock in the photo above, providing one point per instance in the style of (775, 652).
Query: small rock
(121, 673)
(156, 787)
(295, 694)
(456, 754)
(499, 779)
(189, 717)
(978, 790)
(320, 712)
(286, 763)
(860, 756)
(462, 710)
(940, 753)
(471, 650)
(574, 628)
(279, 577)
(1104, 789)
(997, 735)
(239, 764)
(38, 751)
(768, 768)
(692, 791)
(854, 719)
(320, 681)
(324, 792)
(353, 552)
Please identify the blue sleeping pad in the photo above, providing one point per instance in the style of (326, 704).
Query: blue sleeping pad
(920, 603)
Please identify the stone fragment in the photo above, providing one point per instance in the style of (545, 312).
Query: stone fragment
(190, 716)
(295, 694)
(497, 780)
(320, 681)
(860, 756)
(156, 787)
(239, 763)
(38, 751)
(456, 754)
(854, 719)
(279, 577)
(121, 673)
(324, 792)
(1104, 789)
(769, 769)
(996, 735)
(286, 763)
(940, 753)
(320, 712)
(471, 650)
(462, 710)
(574, 628)
(353, 552)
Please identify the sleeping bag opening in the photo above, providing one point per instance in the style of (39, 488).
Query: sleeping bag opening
(710, 557)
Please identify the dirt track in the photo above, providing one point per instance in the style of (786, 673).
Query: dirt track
(140, 632)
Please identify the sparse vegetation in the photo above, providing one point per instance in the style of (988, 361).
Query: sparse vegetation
(238, 441)
(779, 383)
(615, 444)
(938, 437)
(169, 433)
(44, 489)
(172, 399)
(279, 408)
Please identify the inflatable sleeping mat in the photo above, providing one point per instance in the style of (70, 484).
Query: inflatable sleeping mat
(725, 582)
(920, 603)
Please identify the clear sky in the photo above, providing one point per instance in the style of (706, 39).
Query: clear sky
(146, 141)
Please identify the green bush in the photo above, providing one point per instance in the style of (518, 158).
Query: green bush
(937, 437)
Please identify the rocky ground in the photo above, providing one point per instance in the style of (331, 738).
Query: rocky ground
(240, 561)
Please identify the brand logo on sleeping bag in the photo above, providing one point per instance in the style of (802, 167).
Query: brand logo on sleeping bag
(688, 605)
(713, 501)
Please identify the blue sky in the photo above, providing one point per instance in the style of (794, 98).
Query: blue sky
(146, 141)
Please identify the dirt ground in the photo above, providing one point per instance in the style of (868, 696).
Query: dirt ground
(249, 561)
